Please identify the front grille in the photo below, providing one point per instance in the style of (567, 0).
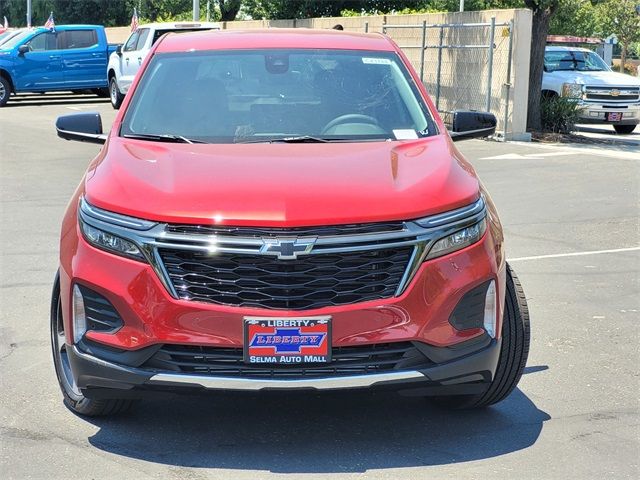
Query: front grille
(229, 362)
(262, 281)
(624, 94)
(321, 231)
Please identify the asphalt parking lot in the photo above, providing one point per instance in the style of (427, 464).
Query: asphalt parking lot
(571, 216)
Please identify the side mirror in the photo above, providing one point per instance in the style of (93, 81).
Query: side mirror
(22, 49)
(81, 127)
(119, 50)
(467, 124)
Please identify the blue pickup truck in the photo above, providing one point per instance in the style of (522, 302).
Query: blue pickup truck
(73, 57)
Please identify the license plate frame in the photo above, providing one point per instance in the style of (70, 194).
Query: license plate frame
(613, 116)
(286, 341)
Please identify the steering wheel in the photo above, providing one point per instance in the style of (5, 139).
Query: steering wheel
(349, 118)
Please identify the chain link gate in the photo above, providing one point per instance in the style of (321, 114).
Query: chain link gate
(464, 66)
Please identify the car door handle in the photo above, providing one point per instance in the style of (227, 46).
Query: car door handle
(53, 57)
(127, 59)
(96, 54)
(139, 60)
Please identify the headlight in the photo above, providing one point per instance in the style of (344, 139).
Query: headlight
(106, 230)
(572, 90)
(107, 241)
(458, 240)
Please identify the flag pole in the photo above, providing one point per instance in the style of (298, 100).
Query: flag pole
(28, 13)
(196, 10)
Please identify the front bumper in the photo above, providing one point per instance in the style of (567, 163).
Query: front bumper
(466, 374)
(596, 113)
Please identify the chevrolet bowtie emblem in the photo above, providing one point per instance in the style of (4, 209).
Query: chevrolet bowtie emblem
(288, 248)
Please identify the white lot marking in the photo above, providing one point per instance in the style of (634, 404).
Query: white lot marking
(626, 152)
(517, 156)
(575, 254)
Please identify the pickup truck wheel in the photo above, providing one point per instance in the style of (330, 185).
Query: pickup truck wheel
(624, 128)
(513, 352)
(5, 91)
(73, 397)
(114, 93)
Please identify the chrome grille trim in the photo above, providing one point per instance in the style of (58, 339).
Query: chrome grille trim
(626, 94)
(151, 237)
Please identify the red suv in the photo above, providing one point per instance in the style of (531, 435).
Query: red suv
(282, 210)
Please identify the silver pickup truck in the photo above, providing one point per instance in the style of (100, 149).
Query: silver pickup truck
(604, 96)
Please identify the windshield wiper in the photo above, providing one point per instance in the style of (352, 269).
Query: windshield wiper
(162, 138)
(296, 139)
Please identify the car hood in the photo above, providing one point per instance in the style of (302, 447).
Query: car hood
(280, 184)
(607, 78)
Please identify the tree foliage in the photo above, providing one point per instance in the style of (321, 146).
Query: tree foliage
(620, 17)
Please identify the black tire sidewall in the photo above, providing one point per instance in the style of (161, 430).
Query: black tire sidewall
(7, 91)
(70, 398)
(624, 129)
(117, 101)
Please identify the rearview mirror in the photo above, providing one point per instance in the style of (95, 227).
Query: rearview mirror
(467, 124)
(81, 127)
(22, 49)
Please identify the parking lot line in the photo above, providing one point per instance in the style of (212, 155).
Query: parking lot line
(575, 254)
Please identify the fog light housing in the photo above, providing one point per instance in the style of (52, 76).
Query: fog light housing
(471, 310)
(490, 310)
(79, 315)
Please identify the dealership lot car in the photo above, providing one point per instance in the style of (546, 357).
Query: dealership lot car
(293, 216)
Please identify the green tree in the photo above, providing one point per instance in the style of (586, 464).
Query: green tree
(577, 17)
(620, 17)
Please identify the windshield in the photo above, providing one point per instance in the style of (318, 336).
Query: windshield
(268, 95)
(573, 60)
(14, 41)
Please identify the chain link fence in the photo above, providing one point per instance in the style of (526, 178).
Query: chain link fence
(464, 66)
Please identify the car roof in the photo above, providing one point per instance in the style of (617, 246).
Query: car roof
(274, 38)
(178, 25)
(557, 48)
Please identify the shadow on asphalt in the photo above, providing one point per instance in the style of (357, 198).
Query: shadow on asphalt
(316, 433)
(54, 99)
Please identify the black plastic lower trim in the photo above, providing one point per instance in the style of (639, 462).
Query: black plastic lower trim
(468, 374)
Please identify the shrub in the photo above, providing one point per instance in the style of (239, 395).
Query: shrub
(559, 114)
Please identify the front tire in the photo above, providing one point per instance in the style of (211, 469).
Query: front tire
(73, 397)
(114, 93)
(513, 351)
(624, 129)
(5, 91)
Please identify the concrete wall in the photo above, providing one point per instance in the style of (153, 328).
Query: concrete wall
(464, 72)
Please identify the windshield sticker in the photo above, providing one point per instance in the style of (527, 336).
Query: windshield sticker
(405, 134)
(376, 61)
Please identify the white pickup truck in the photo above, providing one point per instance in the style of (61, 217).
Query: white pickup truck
(125, 62)
(604, 96)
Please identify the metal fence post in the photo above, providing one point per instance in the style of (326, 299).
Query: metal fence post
(366, 27)
(424, 42)
(439, 68)
(492, 36)
(384, 26)
(508, 84)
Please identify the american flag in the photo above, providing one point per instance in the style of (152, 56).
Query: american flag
(50, 24)
(134, 20)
